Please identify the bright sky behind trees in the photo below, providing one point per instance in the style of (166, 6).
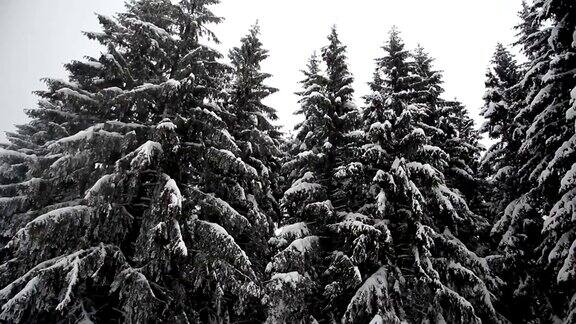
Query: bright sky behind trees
(37, 37)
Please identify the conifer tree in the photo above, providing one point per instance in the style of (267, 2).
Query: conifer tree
(258, 139)
(501, 102)
(428, 274)
(450, 128)
(547, 155)
(126, 198)
(313, 275)
(502, 167)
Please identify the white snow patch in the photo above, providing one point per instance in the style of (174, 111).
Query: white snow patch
(303, 187)
(166, 125)
(97, 187)
(145, 153)
(568, 270)
(175, 196)
(68, 93)
(304, 245)
(569, 179)
(296, 230)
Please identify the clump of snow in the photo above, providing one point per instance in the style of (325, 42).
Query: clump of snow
(68, 93)
(296, 230)
(569, 179)
(227, 242)
(63, 83)
(382, 202)
(562, 247)
(119, 124)
(159, 32)
(180, 246)
(304, 245)
(379, 127)
(302, 188)
(568, 270)
(356, 228)
(97, 187)
(566, 206)
(369, 298)
(171, 86)
(291, 278)
(145, 154)
(72, 279)
(84, 135)
(345, 216)
(425, 170)
(55, 215)
(166, 125)
(175, 196)
(94, 64)
(23, 295)
(14, 155)
(305, 182)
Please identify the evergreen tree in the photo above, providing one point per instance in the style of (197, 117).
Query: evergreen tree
(501, 103)
(428, 274)
(502, 167)
(126, 198)
(548, 157)
(258, 139)
(313, 275)
(450, 128)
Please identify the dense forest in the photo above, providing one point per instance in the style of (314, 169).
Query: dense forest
(154, 184)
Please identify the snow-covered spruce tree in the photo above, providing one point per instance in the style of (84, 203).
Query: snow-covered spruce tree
(501, 102)
(450, 128)
(429, 274)
(126, 198)
(320, 243)
(258, 139)
(501, 165)
(548, 158)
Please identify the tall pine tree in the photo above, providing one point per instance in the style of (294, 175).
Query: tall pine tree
(450, 128)
(313, 275)
(251, 125)
(547, 36)
(126, 198)
(500, 108)
(428, 274)
(502, 166)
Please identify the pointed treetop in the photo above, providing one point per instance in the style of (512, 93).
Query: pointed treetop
(395, 42)
(314, 63)
(395, 64)
(249, 86)
(312, 83)
(504, 66)
(251, 52)
(312, 72)
(429, 82)
(187, 19)
(255, 29)
(339, 79)
(421, 56)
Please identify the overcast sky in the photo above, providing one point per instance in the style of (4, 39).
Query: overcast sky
(37, 37)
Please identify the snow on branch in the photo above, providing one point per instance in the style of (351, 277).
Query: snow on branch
(297, 256)
(216, 209)
(215, 243)
(287, 234)
(370, 298)
(143, 157)
(228, 163)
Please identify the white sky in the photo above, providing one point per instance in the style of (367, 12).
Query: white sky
(37, 37)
